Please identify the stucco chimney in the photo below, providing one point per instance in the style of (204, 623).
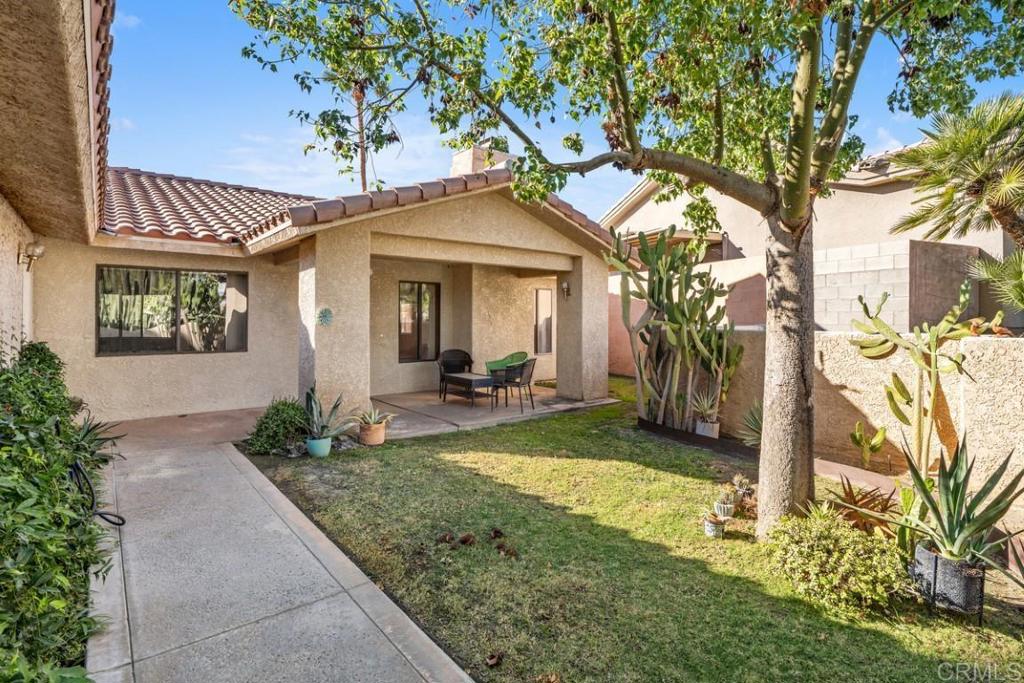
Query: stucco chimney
(477, 158)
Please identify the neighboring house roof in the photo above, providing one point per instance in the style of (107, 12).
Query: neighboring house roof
(170, 206)
(329, 210)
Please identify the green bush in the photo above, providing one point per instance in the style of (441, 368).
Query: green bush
(49, 540)
(836, 566)
(283, 422)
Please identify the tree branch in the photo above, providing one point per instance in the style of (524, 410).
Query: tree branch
(621, 86)
(719, 121)
(796, 174)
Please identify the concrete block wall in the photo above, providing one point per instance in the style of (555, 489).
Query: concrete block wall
(841, 274)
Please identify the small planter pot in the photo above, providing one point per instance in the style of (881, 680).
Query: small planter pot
(714, 528)
(318, 448)
(708, 429)
(743, 494)
(372, 435)
(724, 509)
(954, 585)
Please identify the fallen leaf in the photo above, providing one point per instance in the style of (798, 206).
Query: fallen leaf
(446, 537)
(494, 659)
(548, 678)
(497, 533)
(467, 538)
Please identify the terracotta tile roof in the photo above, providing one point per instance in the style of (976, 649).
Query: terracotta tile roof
(326, 210)
(98, 23)
(162, 205)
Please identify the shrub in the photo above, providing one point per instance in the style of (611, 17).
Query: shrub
(49, 539)
(283, 422)
(835, 565)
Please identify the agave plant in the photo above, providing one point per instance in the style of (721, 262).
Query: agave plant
(958, 523)
(374, 417)
(93, 437)
(750, 432)
(705, 404)
(853, 500)
(325, 426)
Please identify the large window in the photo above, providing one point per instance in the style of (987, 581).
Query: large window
(142, 310)
(419, 329)
(542, 322)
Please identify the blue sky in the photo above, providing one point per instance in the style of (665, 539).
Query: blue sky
(184, 101)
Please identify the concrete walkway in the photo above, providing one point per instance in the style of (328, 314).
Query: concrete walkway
(218, 577)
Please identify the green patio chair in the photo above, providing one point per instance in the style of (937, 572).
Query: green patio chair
(510, 359)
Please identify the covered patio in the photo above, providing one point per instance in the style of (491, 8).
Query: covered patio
(422, 413)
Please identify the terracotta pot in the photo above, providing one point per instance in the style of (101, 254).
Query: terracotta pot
(372, 435)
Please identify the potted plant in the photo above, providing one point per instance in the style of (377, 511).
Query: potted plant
(744, 489)
(725, 506)
(714, 526)
(705, 405)
(373, 426)
(322, 429)
(949, 561)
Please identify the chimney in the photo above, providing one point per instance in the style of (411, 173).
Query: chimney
(477, 158)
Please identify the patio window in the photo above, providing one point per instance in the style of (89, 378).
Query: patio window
(419, 329)
(144, 310)
(542, 322)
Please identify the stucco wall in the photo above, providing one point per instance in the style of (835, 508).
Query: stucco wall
(503, 317)
(15, 283)
(387, 375)
(127, 387)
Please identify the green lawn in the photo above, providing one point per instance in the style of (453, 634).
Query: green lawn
(611, 578)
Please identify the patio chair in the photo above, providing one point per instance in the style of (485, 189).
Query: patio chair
(452, 360)
(511, 359)
(515, 376)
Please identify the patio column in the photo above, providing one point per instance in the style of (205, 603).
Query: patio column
(582, 330)
(334, 314)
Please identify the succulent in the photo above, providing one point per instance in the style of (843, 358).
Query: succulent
(868, 446)
(321, 426)
(750, 432)
(375, 417)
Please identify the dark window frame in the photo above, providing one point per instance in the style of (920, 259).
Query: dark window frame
(177, 310)
(419, 320)
(536, 321)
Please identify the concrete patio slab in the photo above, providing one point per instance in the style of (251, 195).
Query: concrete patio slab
(422, 413)
(219, 577)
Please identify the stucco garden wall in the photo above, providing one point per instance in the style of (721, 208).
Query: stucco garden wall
(15, 283)
(128, 387)
(848, 388)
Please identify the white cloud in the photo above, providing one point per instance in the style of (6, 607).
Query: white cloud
(883, 141)
(122, 123)
(126, 21)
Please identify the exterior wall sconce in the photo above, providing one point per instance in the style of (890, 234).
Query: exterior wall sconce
(566, 292)
(31, 253)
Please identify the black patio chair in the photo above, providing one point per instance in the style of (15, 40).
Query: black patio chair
(452, 360)
(515, 376)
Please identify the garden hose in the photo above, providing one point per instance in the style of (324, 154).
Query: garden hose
(81, 479)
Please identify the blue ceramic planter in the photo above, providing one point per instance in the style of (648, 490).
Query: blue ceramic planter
(318, 448)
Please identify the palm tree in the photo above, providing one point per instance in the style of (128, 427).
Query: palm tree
(1006, 278)
(971, 172)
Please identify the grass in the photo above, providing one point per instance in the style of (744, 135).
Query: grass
(611, 578)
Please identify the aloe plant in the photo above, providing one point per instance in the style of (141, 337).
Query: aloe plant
(325, 426)
(373, 416)
(923, 346)
(667, 341)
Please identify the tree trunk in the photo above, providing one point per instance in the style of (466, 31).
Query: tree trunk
(1010, 222)
(786, 476)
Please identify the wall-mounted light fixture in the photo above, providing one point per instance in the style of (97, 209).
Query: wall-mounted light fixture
(30, 253)
(566, 292)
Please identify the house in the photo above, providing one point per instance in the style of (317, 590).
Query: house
(854, 255)
(169, 295)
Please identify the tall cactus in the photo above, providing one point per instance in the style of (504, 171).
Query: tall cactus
(923, 346)
(669, 338)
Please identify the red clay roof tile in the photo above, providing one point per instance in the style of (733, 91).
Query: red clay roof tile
(162, 205)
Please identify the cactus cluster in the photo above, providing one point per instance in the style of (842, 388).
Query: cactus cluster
(682, 329)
